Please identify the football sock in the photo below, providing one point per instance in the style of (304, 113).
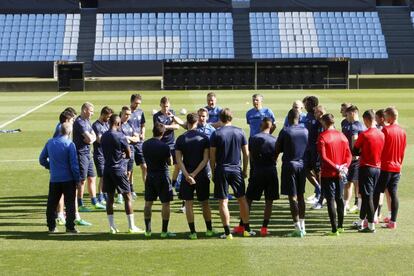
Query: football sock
(247, 227)
(208, 225)
(165, 225)
(302, 224)
(265, 223)
(192, 227)
(148, 225)
(80, 202)
(241, 222)
(111, 220)
(226, 230)
(131, 223)
(94, 200)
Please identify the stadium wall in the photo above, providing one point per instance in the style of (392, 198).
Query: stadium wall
(39, 6)
(314, 5)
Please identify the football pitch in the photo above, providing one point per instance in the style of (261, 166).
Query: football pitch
(25, 246)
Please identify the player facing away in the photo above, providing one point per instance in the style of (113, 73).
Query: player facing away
(264, 176)
(138, 122)
(391, 163)
(133, 138)
(313, 126)
(255, 115)
(157, 156)
(335, 159)
(226, 146)
(213, 110)
(192, 155)
(380, 124)
(369, 147)
(114, 146)
(83, 137)
(66, 116)
(60, 158)
(292, 142)
(166, 116)
(351, 128)
(100, 126)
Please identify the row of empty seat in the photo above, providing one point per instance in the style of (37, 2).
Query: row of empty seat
(39, 37)
(316, 35)
(158, 36)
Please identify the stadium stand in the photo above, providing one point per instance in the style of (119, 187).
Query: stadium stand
(158, 36)
(39, 37)
(317, 35)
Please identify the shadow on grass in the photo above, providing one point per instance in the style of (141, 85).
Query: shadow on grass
(280, 224)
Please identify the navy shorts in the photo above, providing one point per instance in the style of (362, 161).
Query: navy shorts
(313, 162)
(115, 181)
(263, 180)
(223, 179)
(293, 180)
(85, 166)
(368, 179)
(389, 181)
(353, 170)
(332, 187)
(158, 185)
(201, 187)
(99, 165)
(138, 155)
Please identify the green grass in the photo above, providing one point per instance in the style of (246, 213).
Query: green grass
(26, 248)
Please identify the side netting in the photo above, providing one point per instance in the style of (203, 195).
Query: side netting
(313, 5)
(39, 6)
(163, 5)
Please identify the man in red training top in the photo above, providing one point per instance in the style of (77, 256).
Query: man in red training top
(336, 157)
(369, 147)
(391, 163)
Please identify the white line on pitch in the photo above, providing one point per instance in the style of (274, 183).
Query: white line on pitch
(32, 110)
(26, 160)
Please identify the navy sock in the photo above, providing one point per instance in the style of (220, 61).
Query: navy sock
(94, 200)
(317, 191)
(208, 225)
(100, 197)
(148, 225)
(226, 229)
(80, 202)
(165, 225)
(105, 195)
(192, 227)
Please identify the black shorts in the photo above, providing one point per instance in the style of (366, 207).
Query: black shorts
(138, 155)
(368, 179)
(223, 179)
(201, 187)
(85, 166)
(263, 180)
(388, 181)
(353, 171)
(158, 185)
(99, 165)
(313, 163)
(332, 187)
(115, 181)
(293, 180)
